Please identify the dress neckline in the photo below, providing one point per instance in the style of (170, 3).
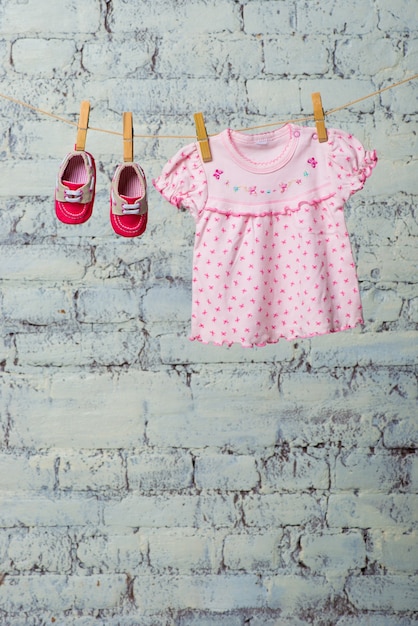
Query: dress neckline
(280, 144)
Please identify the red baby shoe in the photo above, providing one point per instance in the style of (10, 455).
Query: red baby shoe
(128, 200)
(75, 190)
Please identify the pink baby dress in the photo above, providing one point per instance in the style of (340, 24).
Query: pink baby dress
(272, 257)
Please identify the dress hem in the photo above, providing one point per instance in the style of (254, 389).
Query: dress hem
(229, 344)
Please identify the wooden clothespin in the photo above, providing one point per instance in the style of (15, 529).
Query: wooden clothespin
(202, 137)
(319, 117)
(82, 126)
(128, 138)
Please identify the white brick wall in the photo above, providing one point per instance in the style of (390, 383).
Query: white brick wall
(149, 481)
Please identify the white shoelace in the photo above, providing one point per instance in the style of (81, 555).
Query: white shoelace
(131, 209)
(72, 195)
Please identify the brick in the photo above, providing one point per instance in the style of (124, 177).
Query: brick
(235, 56)
(38, 306)
(159, 472)
(315, 387)
(98, 58)
(218, 511)
(333, 552)
(253, 552)
(345, 350)
(222, 414)
(299, 469)
(275, 17)
(291, 593)
(42, 56)
(36, 178)
(240, 434)
(59, 593)
(360, 17)
(401, 429)
(107, 305)
(184, 551)
(41, 550)
(57, 416)
(296, 55)
(395, 550)
(208, 387)
(226, 472)
(62, 348)
(157, 96)
(178, 349)
(399, 20)
(23, 217)
(381, 305)
(263, 95)
(35, 136)
(26, 472)
(90, 471)
(336, 422)
(383, 593)
(371, 472)
(152, 511)
(372, 510)
(124, 266)
(364, 388)
(45, 263)
(338, 92)
(167, 303)
(381, 222)
(73, 18)
(163, 511)
(40, 510)
(116, 552)
(281, 510)
(201, 16)
(353, 54)
(218, 592)
(401, 173)
(401, 150)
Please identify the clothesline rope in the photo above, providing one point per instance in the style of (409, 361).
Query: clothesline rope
(277, 123)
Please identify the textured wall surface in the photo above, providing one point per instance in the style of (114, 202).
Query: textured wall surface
(146, 480)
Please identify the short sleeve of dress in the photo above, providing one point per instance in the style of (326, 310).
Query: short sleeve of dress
(351, 164)
(183, 181)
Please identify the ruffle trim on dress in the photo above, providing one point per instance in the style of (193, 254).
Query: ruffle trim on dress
(370, 162)
(287, 209)
(229, 344)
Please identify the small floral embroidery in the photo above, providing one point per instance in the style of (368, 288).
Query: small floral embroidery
(218, 174)
(313, 162)
(253, 191)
